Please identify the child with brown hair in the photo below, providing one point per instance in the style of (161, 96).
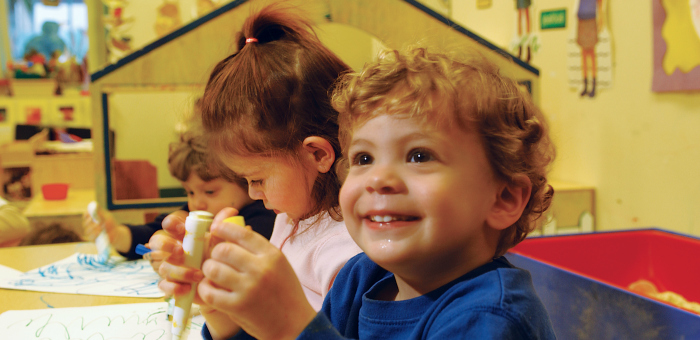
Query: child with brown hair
(447, 171)
(268, 113)
(209, 187)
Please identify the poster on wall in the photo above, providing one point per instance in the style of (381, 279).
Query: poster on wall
(589, 48)
(526, 41)
(676, 45)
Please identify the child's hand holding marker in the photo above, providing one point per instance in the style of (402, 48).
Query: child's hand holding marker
(102, 240)
(179, 278)
(143, 250)
(242, 267)
(100, 226)
(163, 241)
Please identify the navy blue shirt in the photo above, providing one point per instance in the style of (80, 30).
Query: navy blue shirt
(494, 301)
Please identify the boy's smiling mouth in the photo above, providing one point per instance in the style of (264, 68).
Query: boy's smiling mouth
(390, 218)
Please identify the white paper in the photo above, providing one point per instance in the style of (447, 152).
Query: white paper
(147, 321)
(7, 272)
(84, 274)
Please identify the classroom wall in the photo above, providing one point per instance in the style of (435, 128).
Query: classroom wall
(640, 149)
(145, 126)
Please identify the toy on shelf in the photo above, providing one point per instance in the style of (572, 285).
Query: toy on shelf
(44, 59)
(47, 43)
(31, 67)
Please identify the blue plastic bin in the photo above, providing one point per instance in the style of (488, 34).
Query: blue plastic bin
(582, 281)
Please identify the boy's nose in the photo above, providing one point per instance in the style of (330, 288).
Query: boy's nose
(200, 204)
(384, 179)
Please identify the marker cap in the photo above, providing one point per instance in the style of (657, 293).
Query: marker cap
(236, 220)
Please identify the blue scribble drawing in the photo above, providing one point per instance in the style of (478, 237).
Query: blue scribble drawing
(144, 321)
(84, 274)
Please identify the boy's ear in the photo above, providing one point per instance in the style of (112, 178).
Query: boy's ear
(322, 152)
(510, 203)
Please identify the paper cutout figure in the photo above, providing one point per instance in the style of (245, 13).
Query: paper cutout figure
(118, 40)
(590, 49)
(589, 25)
(676, 45)
(167, 18)
(523, 8)
(205, 6)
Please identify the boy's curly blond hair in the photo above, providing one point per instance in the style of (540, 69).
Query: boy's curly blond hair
(467, 91)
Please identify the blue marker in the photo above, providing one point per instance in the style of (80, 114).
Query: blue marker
(142, 250)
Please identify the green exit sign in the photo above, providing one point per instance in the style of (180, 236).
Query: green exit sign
(553, 19)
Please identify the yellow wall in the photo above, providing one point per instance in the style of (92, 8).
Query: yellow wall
(144, 124)
(640, 149)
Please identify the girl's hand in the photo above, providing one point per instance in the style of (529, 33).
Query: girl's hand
(178, 281)
(251, 280)
(168, 260)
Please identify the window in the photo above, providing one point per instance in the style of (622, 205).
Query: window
(46, 28)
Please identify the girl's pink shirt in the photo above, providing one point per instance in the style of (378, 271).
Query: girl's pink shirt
(317, 252)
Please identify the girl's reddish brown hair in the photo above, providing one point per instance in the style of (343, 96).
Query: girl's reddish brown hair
(273, 93)
(469, 92)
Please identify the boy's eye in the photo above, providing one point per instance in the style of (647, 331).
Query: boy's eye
(210, 192)
(362, 159)
(420, 156)
(255, 182)
(190, 193)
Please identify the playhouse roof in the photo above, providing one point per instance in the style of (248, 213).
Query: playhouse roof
(186, 55)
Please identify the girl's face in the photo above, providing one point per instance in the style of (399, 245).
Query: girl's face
(214, 195)
(282, 184)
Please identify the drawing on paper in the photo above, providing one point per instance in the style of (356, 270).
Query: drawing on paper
(146, 321)
(84, 274)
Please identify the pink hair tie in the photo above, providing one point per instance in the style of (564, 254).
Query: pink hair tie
(251, 40)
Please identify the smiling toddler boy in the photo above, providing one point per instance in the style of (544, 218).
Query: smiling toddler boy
(447, 171)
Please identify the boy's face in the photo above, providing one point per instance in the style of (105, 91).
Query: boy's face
(214, 195)
(416, 197)
(284, 187)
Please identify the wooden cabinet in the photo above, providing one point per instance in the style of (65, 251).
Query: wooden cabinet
(572, 209)
(76, 169)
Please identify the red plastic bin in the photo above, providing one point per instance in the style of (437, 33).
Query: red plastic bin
(582, 279)
(54, 191)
